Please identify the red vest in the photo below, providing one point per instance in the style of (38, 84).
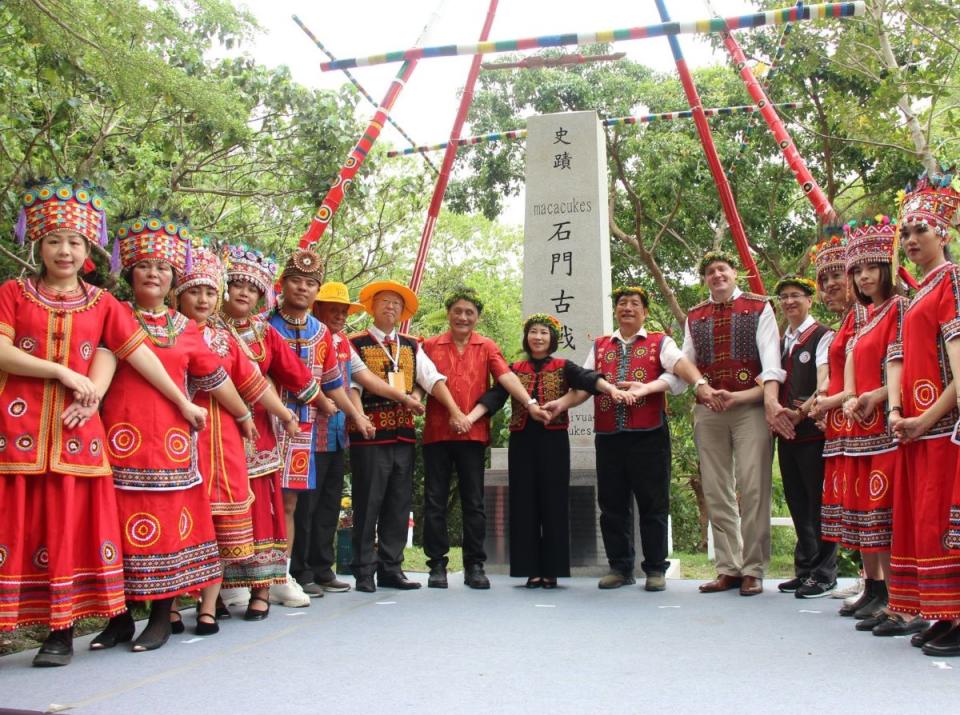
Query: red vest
(725, 341)
(641, 363)
(548, 384)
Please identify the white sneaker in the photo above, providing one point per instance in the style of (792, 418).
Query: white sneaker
(853, 590)
(235, 596)
(289, 594)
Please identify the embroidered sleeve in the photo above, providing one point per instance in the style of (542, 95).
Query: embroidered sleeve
(330, 378)
(211, 381)
(8, 308)
(246, 377)
(949, 307)
(895, 347)
(121, 334)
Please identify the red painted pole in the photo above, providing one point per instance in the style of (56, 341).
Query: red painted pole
(713, 160)
(448, 158)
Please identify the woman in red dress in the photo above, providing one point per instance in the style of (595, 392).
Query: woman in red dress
(222, 460)
(60, 542)
(867, 516)
(925, 563)
(830, 259)
(250, 277)
(169, 544)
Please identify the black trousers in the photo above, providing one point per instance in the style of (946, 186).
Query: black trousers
(634, 466)
(315, 521)
(801, 468)
(439, 460)
(539, 472)
(382, 492)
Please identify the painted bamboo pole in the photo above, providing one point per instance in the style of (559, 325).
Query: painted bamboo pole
(779, 16)
(719, 177)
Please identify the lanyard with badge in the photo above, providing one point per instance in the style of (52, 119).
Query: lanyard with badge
(394, 375)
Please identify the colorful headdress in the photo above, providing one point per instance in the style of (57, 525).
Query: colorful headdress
(306, 263)
(831, 253)
(463, 293)
(804, 284)
(548, 321)
(207, 270)
(870, 241)
(62, 203)
(250, 265)
(621, 291)
(154, 238)
(935, 201)
(713, 256)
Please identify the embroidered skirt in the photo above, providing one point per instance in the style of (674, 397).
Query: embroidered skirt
(866, 493)
(268, 564)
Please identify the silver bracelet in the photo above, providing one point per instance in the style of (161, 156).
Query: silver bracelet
(244, 418)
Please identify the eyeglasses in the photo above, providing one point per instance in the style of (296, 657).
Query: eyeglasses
(783, 298)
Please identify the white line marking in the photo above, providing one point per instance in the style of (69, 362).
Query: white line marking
(668, 606)
(544, 605)
(804, 610)
(942, 665)
(386, 603)
(298, 613)
(192, 640)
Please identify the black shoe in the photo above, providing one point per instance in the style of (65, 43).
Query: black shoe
(549, 583)
(398, 580)
(534, 582)
(811, 588)
(947, 645)
(176, 624)
(438, 577)
(861, 600)
(792, 585)
(252, 614)
(365, 584)
(474, 577)
(897, 625)
(206, 625)
(222, 612)
(157, 632)
(119, 629)
(871, 622)
(56, 650)
(877, 601)
(940, 628)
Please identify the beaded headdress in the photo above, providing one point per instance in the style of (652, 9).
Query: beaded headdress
(306, 263)
(870, 241)
(831, 253)
(935, 201)
(56, 204)
(154, 238)
(207, 270)
(252, 266)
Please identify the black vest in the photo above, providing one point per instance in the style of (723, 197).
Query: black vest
(801, 380)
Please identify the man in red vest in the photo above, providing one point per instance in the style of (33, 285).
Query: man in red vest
(633, 441)
(732, 338)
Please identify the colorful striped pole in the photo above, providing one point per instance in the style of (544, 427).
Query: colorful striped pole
(798, 166)
(719, 177)
(609, 122)
(433, 213)
(360, 87)
(714, 25)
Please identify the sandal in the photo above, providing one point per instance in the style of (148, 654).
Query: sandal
(549, 583)
(253, 614)
(223, 612)
(176, 622)
(534, 582)
(206, 627)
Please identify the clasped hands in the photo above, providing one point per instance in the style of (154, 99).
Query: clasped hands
(863, 408)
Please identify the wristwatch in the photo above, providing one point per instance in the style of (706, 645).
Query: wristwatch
(532, 401)
(701, 381)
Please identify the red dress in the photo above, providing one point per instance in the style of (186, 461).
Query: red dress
(169, 547)
(276, 361)
(222, 458)
(837, 428)
(867, 493)
(925, 573)
(59, 535)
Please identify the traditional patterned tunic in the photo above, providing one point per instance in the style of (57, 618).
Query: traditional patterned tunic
(169, 546)
(59, 531)
(924, 562)
(838, 428)
(270, 353)
(312, 342)
(640, 362)
(222, 458)
(393, 421)
(867, 518)
(724, 338)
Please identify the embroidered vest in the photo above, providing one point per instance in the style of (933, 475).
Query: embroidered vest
(801, 380)
(725, 340)
(548, 384)
(394, 423)
(641, 363)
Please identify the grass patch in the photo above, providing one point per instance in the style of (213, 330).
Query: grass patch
(415, 560)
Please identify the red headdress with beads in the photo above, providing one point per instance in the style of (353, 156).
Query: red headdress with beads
(51, 205)
(154, 238)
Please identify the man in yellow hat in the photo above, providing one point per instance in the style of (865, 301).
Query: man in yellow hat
(383, 466)
(318, 509)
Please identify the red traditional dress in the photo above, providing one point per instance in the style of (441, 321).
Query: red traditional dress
(866, 491)
(222, 457)
(60, 544)
(924, 565)
(276, 361)
(169, 546)
(838, 428)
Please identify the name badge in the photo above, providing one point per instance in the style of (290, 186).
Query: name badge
(396, 381)
(804, 357)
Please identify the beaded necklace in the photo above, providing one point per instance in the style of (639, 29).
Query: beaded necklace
(244, 323)
(149, 329)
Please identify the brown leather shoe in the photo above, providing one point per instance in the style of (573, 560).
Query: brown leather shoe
(751, 586)
(723, 582)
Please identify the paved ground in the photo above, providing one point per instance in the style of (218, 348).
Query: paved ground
(576, 649)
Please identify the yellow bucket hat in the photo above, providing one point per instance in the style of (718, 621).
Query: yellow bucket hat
(334, 292)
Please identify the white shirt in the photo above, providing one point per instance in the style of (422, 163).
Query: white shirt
(669, 355)
(768, 343)
(427, 374)
(823, 347)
